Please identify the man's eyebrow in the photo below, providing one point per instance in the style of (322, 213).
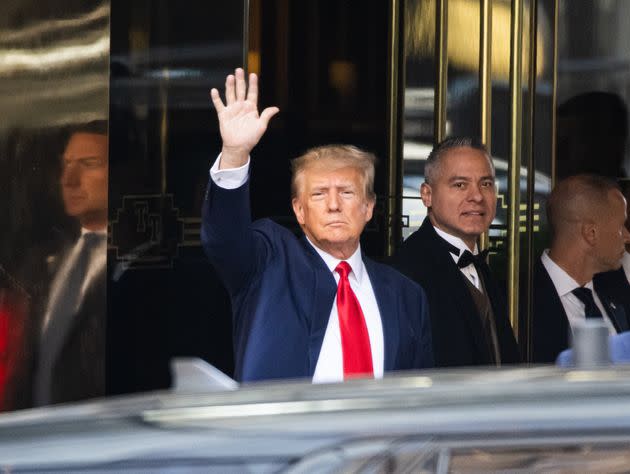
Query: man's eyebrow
(459, 178)
(468, 178)
(89, 157)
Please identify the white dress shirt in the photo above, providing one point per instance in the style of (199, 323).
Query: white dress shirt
(565, 284)
(625, 263)
(469, 271)
(329, 366)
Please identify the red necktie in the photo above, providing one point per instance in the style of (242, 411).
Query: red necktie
(355, 340)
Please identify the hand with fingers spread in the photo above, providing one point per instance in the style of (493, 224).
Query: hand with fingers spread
(240, 124)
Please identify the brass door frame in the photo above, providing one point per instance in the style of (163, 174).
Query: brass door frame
(518, 139)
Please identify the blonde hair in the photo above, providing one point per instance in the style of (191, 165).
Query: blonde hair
(336, 157)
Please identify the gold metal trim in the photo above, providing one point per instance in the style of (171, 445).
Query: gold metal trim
(485, 84)
(485, 72)
(394, 199)
(245, 35)
(441, 56)
(531, 171)
(554, 93)
(164, 127)
(516, 55)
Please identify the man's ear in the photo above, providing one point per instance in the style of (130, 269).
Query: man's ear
(425, 194)
(589, 232)
(370, 209)
(298, 210)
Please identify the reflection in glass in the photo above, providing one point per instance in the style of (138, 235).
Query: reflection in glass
(74, 318)
(54, 62)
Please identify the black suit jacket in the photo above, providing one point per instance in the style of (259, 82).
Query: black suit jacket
(615, 287)
(458, 338)
(78, 371)
(550, 325)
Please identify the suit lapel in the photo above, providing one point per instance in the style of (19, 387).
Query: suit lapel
(611, 288)
(616, 313)
(388, 309)
(452, 278)
(324, 292)
(550, 325)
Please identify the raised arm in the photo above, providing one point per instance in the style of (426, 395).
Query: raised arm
(240, 124)
(226, 231)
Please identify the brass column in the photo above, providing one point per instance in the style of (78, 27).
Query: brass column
(485, 72)
(394, 199)
(516, 55)
(554, 92)
(246, 14)
(441, 56)
(531, 171)
(485, 85)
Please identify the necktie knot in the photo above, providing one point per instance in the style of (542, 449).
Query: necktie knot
(585, 295)
(343, 269)
(467, 258)
(92, 239)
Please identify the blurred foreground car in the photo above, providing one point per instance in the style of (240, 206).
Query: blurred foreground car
(511, 420)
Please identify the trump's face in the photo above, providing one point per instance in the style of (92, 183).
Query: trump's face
(462, 197)
(332, 208)
(84, 179)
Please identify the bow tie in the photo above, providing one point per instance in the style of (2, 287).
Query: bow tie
(466, 258)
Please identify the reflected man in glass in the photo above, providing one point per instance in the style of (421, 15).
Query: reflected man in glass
(70, 362)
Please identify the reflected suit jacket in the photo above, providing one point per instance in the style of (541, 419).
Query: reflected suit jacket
(282, 294)
(458, 338)
(550, 325)
(79, 368)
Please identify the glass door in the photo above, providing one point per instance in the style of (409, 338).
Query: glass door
(486, 69)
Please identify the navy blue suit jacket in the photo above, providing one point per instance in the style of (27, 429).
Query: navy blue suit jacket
(550, 325)
(282, 294)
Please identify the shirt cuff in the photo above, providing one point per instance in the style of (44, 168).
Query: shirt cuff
(229, 178)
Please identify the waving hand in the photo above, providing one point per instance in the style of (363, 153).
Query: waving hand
(240, 124)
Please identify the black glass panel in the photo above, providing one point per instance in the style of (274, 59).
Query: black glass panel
(53, 175)
(323, 63)
(164, 299)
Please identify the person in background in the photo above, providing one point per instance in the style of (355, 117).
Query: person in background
(468, 314)
(69, 362)
(587, 214)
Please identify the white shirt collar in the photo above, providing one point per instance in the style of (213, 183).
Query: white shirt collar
(563, 282)
(625, 263)
(355, 261)
(456, 241)
(102, 231)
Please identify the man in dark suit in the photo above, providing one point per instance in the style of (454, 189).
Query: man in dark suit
(69, 362)
(468, 315)
(587, 215)
(312, 306)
